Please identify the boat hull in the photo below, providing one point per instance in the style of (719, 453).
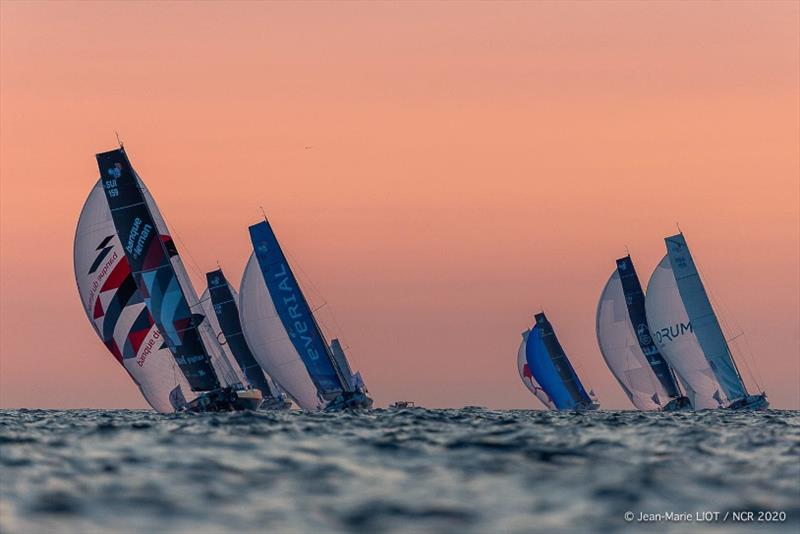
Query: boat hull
(750, 402)
(225, 400)
(677, 404)
(350, 400)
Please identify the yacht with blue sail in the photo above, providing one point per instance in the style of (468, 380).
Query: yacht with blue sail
(687, 332)
(161, 281)
(627, 346)
(552, 370)
(284, 335)
(220, 301)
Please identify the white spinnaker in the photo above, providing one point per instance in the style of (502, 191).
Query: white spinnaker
(668, 322)
(219, 360)
(621, 351)
(269, 341)
(529, 381)
(152, 368)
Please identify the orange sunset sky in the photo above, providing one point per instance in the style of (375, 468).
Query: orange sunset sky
(470, 164)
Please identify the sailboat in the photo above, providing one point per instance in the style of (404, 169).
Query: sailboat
(627, 347)
(552, 369)
(527, 377)
(162, 282)
(220, 302)
(686, 331)
(284, 336)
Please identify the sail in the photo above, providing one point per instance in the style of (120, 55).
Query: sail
(117, 310)
(621, 345)
(342, 364)
(527, 377)
(674, 336)
(294, 312)
(269, 341)
(223, 315)
(634, 300)
(704, 320)
(148, 255)
(551, 368)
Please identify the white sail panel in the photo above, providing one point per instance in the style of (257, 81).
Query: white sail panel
(269, 341)
(672, 333)
(527, 377)
(704, 320)
(621, 350)
(116, 310)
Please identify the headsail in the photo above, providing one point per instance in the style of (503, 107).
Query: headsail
(704, 320)
(527, 377)
(551, 368)
(148, 255)
(673, 334)
(626, 344)
(117, 310)
(224, 308)
(294, 313)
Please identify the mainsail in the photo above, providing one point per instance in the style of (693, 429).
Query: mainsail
(117, 311)
(626, 345)
(221, 298)
(686, 330)
(149, 256)
(552, 369)
(527, 377)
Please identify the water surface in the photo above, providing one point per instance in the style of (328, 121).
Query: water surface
(410, 470)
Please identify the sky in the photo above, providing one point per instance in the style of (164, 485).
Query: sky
(439, 171)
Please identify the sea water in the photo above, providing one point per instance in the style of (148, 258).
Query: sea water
(410, 470)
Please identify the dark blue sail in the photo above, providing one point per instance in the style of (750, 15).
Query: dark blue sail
(634, 299)
(228, 317)
(148, 255)
(294, 312)
(552, 370)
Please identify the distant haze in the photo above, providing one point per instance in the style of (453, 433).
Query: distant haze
(439, 171)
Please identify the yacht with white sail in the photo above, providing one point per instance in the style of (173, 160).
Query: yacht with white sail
(686, 331)
(284, 336)
(220, 302)
(627, 346)
(170, 302)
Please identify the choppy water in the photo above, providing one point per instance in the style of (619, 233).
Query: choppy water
(406, 470)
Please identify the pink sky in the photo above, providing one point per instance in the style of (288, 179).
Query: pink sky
(470, 164)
